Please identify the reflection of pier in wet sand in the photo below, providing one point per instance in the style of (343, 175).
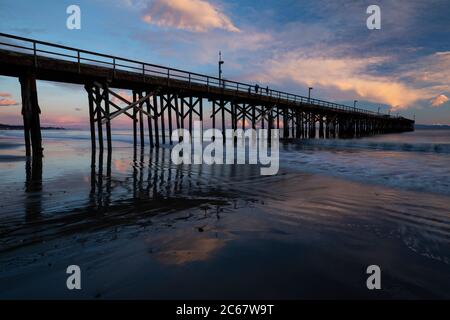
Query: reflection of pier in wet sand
(152, 187)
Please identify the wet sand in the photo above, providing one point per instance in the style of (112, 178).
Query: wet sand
(145, 228)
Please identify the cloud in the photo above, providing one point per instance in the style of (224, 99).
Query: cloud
(191, 15)
(6, 99)
(432, 70)
(439, 100)
(327, 45)
(349, 75)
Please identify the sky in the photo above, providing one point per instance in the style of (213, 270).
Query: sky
(404, 67)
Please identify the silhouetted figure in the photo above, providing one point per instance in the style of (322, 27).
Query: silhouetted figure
(256, 88)
(267, 90)
(249, 90)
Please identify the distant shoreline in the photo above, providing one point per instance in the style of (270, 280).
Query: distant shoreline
(12, 127)
(432, 126)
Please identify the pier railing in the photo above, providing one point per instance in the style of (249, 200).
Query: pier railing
(46, 49)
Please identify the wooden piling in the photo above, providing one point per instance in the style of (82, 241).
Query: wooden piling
(177, 112)
(155, 119)
(293, 123)
(31, 115)
(107, 114)
(134, 120)
(253, 117)
(99, 118)
(163, 125)
(278, 118)
(244, 115)
(269, 126)
(321, 128)
(263, 114)
(169, 114)
(298, 132)
(182, 112)
(285, 123)
(214, 114)
(222, 106)
(141, 120)
(91, 116)
(201, 118)
(191, 107)
(149, 121)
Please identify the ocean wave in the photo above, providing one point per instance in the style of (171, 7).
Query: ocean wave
(443, 148)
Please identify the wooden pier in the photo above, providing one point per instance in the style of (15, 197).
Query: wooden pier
(166, 96)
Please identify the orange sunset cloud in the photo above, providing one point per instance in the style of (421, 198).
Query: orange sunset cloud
(192, 15)
(346, 74)
(6, 99)
(439, 100)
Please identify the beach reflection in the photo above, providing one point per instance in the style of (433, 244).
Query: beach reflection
(131, 193)
(33, 187)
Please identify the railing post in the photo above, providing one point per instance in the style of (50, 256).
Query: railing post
(35, 54)
(78, 57)
(114, 67)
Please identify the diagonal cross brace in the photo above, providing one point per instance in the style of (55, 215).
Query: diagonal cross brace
(132, 105)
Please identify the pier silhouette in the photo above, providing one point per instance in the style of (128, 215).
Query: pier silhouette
(163, 95)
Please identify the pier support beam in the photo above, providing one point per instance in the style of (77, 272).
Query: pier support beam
(321, 132)
(31, 115)
(88, 89)
(285, 123)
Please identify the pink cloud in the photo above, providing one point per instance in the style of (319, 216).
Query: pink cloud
(439, 100)
(6, 99)
(192, 15)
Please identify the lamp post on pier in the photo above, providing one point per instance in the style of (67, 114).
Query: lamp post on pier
(309, 93)
(221, 62)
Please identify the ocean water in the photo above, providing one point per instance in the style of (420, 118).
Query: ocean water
(141, 227)
(412, 161)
